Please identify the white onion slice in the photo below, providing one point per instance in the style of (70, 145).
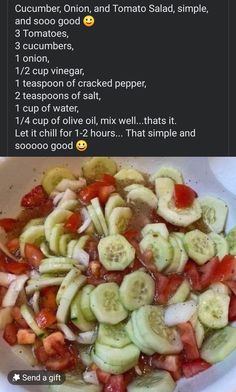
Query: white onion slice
(34, 274)
(58, 198)
(4, 249)
(73, 185)
(6, 279)
(69, 335)
(179, 313)
(91, 377)
(35, 301)
(68, 195)
(87, 337)
(13, 291)
(86, 220)
(82, 256)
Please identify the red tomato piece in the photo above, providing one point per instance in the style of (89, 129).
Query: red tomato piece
(208, 270)
(8, 224)
(16, 314)
(192, 273)
(13, 246)
(91, 248)
(33, 255)
(232, 308)
(192, 368)
(166, 286)
(16, 267)
(172, 363)
(73, 222)
(232, 285)
(132, 235)
(145, 363)
(115, 277)
(26, 336)
(115, 384)
(102, 376)
(65, 359)
(104, 193)
(189, 341)
(54, 343)
(184, 196)
(48, 298)
(41, 354)
(45, 318)
(10, 334)
(107, 179)
(91, 191)
(35, 198)
(226, 270)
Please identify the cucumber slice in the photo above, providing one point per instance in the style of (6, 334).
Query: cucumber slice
(106, 305)
(138, 337)
(34, 222)
(77, 316)
(145, 195)
(28, 315)
(176, 258)
(179, 237)
(129, 176)
(113, 335)
(73, 274)
(33, 235)
(158, 380)
(156, 228)
(108, 368)
(136, 290)
(132, 337)
(154, 333)
(199, 333)
(199, 246)
(70, 248)
(97, 166)
(52, 177)
(99, 212)
(85, 302)
(181, 293)
(117, 356)
(169, 172)
(56, 233)
(95, 220)
(231, 239)
(132, 187)
(214, 213)
(219, 345)
(63, 244)
(164, 185)
(178, 216)
(57, 265)
(161, 249)
(115, 200)
(220, 288)
(119, 220)
(57, 216)
(69, 205)
(45, 249)
(213, 309)
(78, 386)
(38, 284)
(221, 245)
(115, 252)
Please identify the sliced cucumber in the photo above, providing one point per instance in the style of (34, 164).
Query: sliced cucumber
(119, 220)
(117, 356)
(113, 335)
(97, 166)
(158, 380)
(129, 176)
(222, 248)
(108, 368)
(85, 302)
(95, 220)
(219, 345)
(176, 258)
(138, 336)
(115, 252)
(231, 239)
(73, 274)
(133, 338)
(181, 293)
(169, 172)
(33, 235)
(40, 283)
(199, 333)
(78, 386)
(156, 228)
(179, 263)
(164, 185)
(53, 176)
(71, 247)
(154, 333)
(132, 187)
(34, 222)
(67, 297)
(199, 246)
(45, 249)
(77, 316)
(106, 305)
(83, 241)
(99, 212)
(56, 265)
(69, 205)
(178, 216)
(56, 233)
(220, 288)
(161, 249)
(63, 244)
(213, 309)
(57, 216)
(214, 213)
(115, 200)
(136, 290)
(28, 315)
(145, 195)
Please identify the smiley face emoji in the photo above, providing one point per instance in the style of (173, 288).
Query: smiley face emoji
(88, 21)
(81, 145)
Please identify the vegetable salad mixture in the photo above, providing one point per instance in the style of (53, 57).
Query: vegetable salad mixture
(126, 282)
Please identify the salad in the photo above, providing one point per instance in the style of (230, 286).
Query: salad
(124, 281)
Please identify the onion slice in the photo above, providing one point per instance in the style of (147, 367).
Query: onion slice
(6, 279)
(69, 335)
(87, 337)
(4, 249)
(35, 301)
(13, 291)
(86, 220)
(91, 377)
(57, 197)
(179, 313)
(82, 256)
(73, 185)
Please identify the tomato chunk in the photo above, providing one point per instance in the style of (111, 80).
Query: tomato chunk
(192, 368)
(232, 285)
(13, 246)
(189, 341)
(104, 193)
(10, 334)
(41, 354)
(102, 376)
(45, 318)
(16, 267)
(107, 179)
(232, 308)
(166, 287)
(48, 298)
(226, 270)
(91, 191)
(17, 316)
(192, 273)
(115, 384)
(172, 363)
(33, 255)
(73, 223)
(8, 224)
(25, 336)
(208, 270)
(51, 341)
(184, 196)
(35, 198)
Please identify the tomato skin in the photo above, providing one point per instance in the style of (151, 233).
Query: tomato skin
(8, 224)
(41, 354)
(104, 193)
(226, 270)
(45, 318)
(192, 368)
(10, 334)
(48, 298)
(188, 338)
(15, 267)
(102, 376)
(107, 179)
(232, 285)
(208, 270)
(184, 196)
(16, 314)
(192, 273)
(33, 255)
(13, 246)
(101, 189)
(232, 308)
(65, 359)
(172, 363)
(35, 198)
(91, 191)
(166, 287)
(73, 223)
(115, 384)
(132, 235)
